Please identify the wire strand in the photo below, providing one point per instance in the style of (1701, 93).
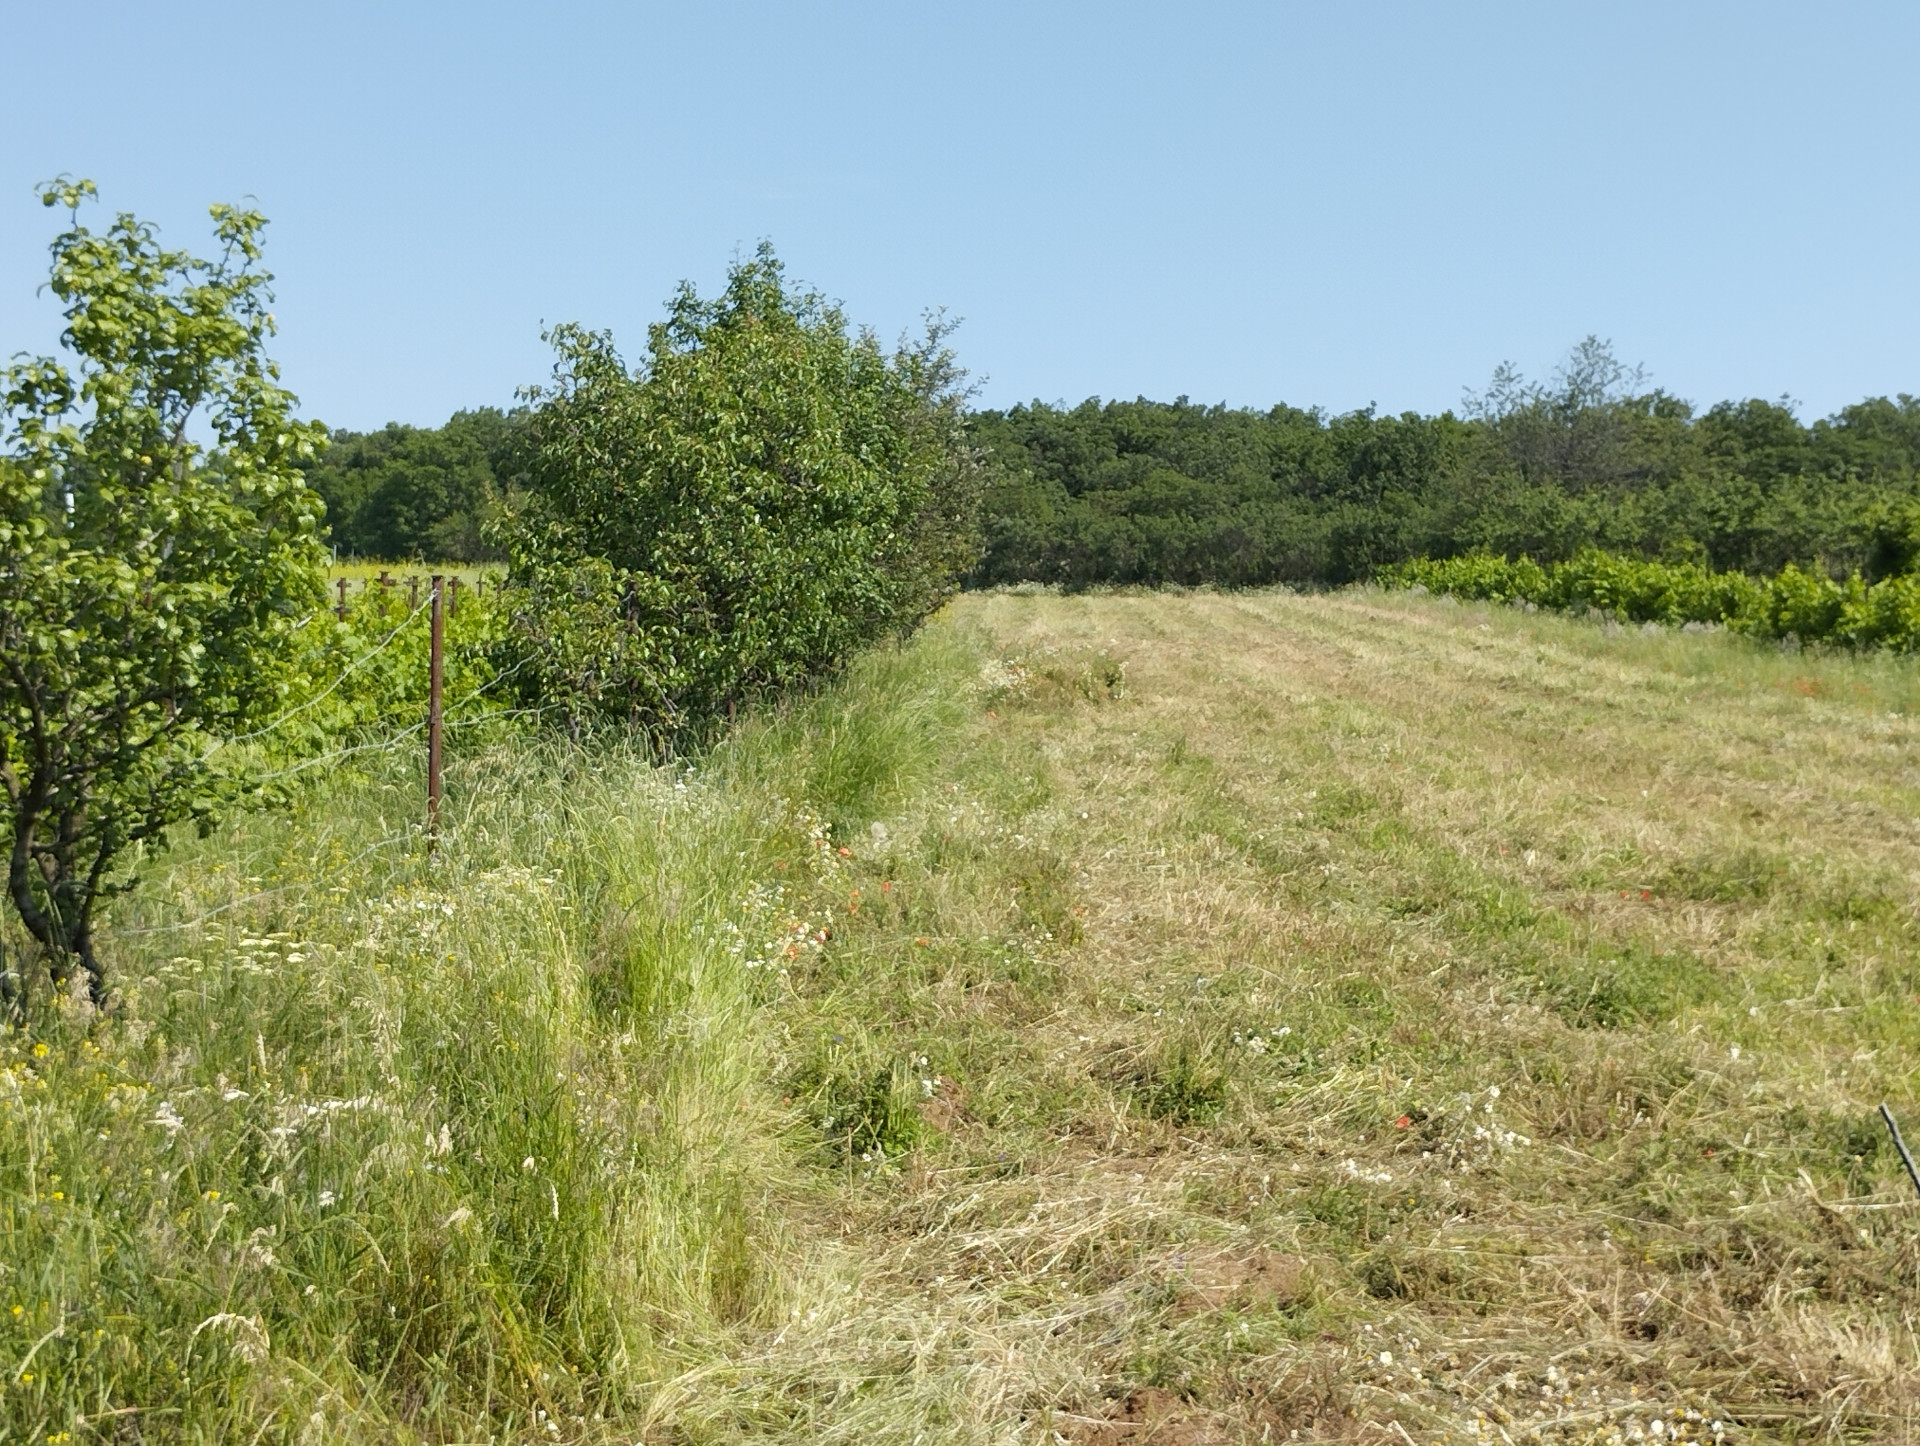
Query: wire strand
(393, 740)
(323, 694)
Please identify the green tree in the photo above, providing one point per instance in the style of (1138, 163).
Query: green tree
(766, 493)
(158, 550)
(417, 492)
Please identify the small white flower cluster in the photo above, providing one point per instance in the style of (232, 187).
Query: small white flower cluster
(266, 953)
(1366, 1176)
(1480, 1138)
(1003, 676)
(255, 956)
(1556, 1405)
(760, 912)
(1500, 1139)
(1685, 1425)
(412, 922)
(766, 930)
(1256, 1042)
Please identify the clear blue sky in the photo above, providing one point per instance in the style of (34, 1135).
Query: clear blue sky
(1328, 204)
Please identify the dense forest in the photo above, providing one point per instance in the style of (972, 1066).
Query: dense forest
(405, 492)
(1154, 492)
(1178, 492)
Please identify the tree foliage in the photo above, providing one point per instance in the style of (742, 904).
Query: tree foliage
(1152, 492)
(411, 492)
(158, 550)
(765, 493)
(1148, 492)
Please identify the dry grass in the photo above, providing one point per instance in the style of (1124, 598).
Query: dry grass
(1368, 1016)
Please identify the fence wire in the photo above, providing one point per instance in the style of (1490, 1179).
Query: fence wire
(355, 666)
(393, 742)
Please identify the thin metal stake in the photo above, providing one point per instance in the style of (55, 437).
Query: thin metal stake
(435, 628)
(341, 610)
(1900, 1145)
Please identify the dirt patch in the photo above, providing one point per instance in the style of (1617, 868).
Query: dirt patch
(1238, 1281)
(946, 1109)
(1154, 1415)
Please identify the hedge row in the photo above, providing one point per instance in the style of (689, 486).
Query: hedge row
(1791, 604)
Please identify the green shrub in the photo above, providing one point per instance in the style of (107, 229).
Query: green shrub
(1793, 604)
(765, 495)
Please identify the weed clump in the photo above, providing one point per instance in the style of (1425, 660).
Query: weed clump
(1176, 1081)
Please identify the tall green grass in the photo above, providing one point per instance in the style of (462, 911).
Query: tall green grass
(481, 1140)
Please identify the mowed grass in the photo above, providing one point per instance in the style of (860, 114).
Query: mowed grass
(1360, 1013)
(1179, 1018)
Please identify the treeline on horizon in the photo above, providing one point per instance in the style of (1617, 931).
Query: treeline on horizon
(1155, 493)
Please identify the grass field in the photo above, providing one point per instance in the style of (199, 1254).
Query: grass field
(1118, 1018)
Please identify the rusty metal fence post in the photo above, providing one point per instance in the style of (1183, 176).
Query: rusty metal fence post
(436, 628)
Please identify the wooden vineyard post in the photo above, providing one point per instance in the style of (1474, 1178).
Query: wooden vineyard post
(340, 609)
(413, 593)
(435, 645)
(453, 595)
